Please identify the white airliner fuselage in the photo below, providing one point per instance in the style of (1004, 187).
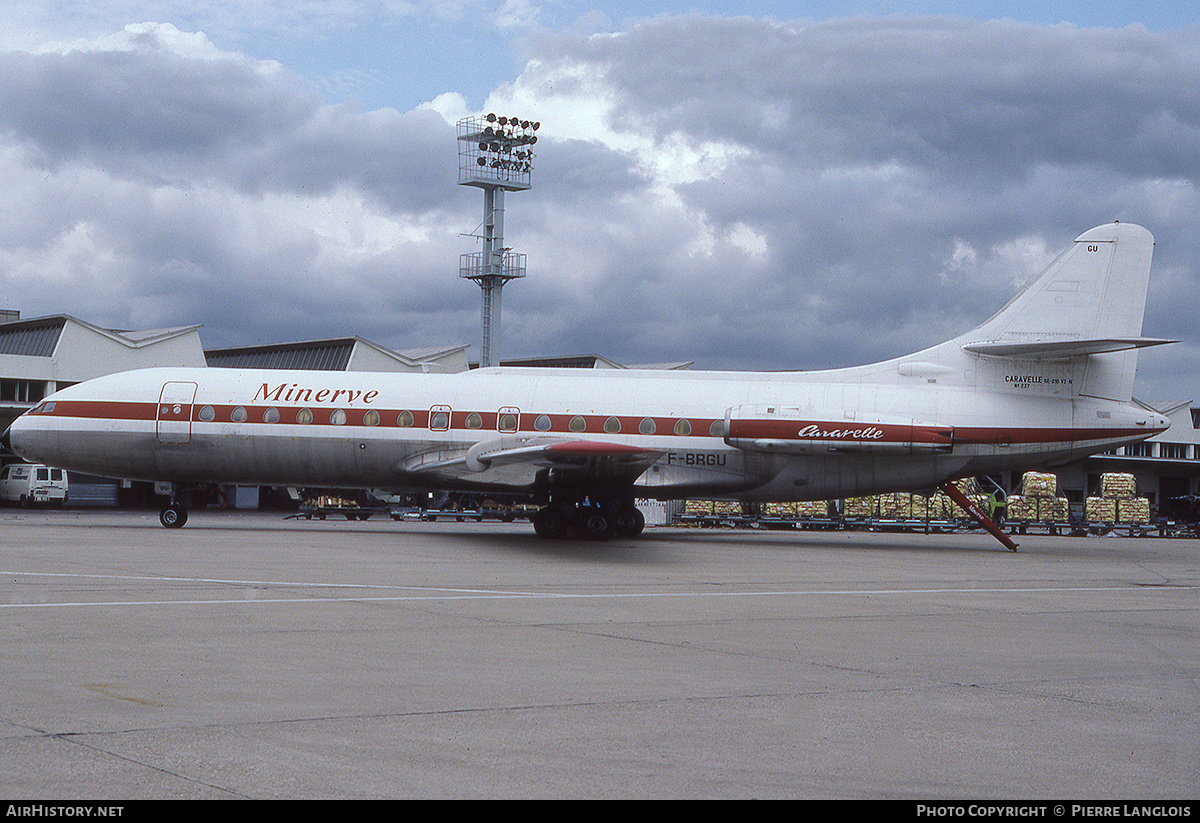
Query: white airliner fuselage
(1046, 381)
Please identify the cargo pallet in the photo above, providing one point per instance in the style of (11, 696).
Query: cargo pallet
(478, 515)
(940, 526)
(709, 521)
(348, 512)
(402, 513)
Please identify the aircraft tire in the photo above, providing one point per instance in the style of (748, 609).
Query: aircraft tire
(630, 522)
(550, 522)
(594, 524)
(173, 516)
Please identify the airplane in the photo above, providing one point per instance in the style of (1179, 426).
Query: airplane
(1046, 381)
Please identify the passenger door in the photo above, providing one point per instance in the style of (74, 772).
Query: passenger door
(175, 412)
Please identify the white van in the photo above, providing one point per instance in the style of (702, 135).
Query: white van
(29, 485)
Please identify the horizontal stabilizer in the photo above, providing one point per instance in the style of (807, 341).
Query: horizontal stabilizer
(1061, 349)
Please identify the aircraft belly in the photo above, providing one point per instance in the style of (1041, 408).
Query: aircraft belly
(282, 460)
(832, 477)
(713, 471)
(108, 453)
(227, 457)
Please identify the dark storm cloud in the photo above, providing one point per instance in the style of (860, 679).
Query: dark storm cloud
(157, 115)
(129, 108)
(942, 94)
(906, 176)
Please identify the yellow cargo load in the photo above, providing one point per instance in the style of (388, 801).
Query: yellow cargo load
(861, 507)
(1117, 486)
(968, 486)
(1100, 510)
(1039, 484)
(895, 506)
(1037, 509)
(812, 508)
(1134, 511)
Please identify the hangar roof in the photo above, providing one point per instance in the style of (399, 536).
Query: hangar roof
(39, 336)
(587, 361)
(337, 354)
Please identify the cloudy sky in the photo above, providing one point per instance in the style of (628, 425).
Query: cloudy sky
(744, 185)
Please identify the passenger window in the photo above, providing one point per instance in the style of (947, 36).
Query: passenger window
(371, 418)
(271, 415)
(542, 423)
(577, 424)
(612, 425)
(507, 420)
(304, 417)
(474, 421)
(338, 417)
(238, 415)
(208, 414)
(405, 419)
(683, 428)
(439, 418)
(646, 426)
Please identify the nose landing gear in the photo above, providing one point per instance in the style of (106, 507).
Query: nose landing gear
(173, 515)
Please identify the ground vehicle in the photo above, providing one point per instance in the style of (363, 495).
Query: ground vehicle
(26, 485)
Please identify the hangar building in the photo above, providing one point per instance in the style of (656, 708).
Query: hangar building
(44, 354)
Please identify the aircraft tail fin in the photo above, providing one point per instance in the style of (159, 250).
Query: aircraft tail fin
(1087, 305)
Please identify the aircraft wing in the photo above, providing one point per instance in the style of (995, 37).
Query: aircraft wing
(517, 460)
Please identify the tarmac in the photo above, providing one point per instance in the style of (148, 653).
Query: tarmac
(250, 656)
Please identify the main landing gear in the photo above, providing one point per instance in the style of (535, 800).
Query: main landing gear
(591, 520)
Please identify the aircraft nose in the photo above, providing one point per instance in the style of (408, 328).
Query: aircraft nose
(5, 441)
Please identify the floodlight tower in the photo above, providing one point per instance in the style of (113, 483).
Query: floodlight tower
(494, 155)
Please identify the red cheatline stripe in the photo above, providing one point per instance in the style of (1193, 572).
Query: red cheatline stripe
(594, 423)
